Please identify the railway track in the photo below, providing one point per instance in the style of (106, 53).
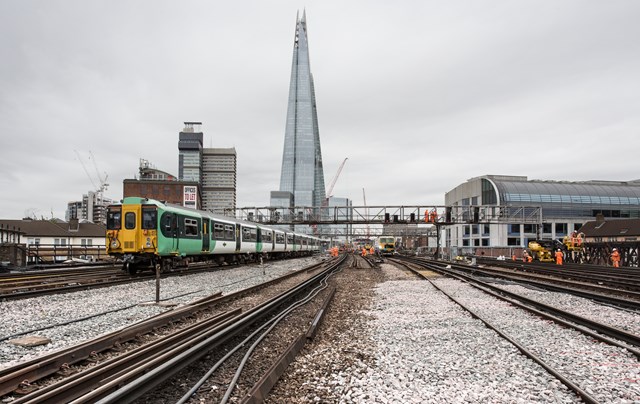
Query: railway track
(620, 293)
(623, 346)
(617, 278)
(205, 324)
(31, 284)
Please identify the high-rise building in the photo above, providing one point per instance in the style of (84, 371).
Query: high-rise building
(302, 174)
(92, 208)
(190, 152)
(218, 188)
(213, 169)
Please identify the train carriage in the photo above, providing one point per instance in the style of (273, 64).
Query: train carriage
(146, 233)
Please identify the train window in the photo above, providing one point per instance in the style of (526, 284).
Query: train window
(149, 218)
(114, 218)
(267, 236)
(218, 231)
(229, 233)
(290, 238)
(279, 238)
(130, 220)
(249, 234)
(190, 227)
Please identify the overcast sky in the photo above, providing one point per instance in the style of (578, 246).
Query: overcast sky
(419, 95)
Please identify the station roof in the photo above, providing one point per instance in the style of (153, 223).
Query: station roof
(521, 189)
(611, 228)
(52, 228)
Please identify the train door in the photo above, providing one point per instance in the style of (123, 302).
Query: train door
(169, 230)
(130, 234)
(238, 238)
(206, 234)
(258, 240)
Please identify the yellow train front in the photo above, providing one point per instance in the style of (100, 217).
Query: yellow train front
(132, 234)
(387, 245)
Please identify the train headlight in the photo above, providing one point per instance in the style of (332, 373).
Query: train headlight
(115, 243)
(148, 242)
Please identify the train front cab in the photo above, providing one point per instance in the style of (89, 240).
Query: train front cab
(132, 233)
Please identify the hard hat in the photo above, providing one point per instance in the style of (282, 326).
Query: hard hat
(615, 249)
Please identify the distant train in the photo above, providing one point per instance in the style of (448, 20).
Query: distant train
(147, 233)
(387, 245)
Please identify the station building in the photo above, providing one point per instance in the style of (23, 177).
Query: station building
(564, 206)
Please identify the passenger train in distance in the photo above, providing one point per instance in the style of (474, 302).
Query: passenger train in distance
(147, 233)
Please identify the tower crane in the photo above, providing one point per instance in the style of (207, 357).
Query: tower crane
(328, 195)
(333, 183)
(99, 189)
(103, 181)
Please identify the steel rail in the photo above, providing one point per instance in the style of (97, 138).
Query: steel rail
(566, 318)
(135, 383)
(586, 397)
(38, 368)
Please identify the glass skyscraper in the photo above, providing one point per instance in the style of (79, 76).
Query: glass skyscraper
(302, 174)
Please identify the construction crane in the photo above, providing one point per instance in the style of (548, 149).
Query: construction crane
(99, 189)
(328, 195)
(333, 183)
(103, 181)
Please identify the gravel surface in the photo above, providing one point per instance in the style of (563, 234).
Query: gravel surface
(627, 320)
(25, 315)
(394, 339)
(387, 338)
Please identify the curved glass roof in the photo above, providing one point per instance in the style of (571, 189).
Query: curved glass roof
(594, 193)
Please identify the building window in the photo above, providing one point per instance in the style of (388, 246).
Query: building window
(513, 229)
(465, 243)
(474, 229)
(488, 194)
(513, 241)
(486, 230)
(561, 229)
(546, 228)
(485, 242)
(529, 228)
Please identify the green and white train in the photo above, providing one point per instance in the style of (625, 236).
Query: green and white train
(147, 233)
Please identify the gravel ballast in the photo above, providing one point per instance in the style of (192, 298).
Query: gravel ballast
(19, 316)
(387, 338)
(408, 343)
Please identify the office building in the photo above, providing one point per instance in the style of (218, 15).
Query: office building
(563, 207)
(218, 187)
(190, 152)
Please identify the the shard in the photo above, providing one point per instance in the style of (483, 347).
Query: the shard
(302, 175)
